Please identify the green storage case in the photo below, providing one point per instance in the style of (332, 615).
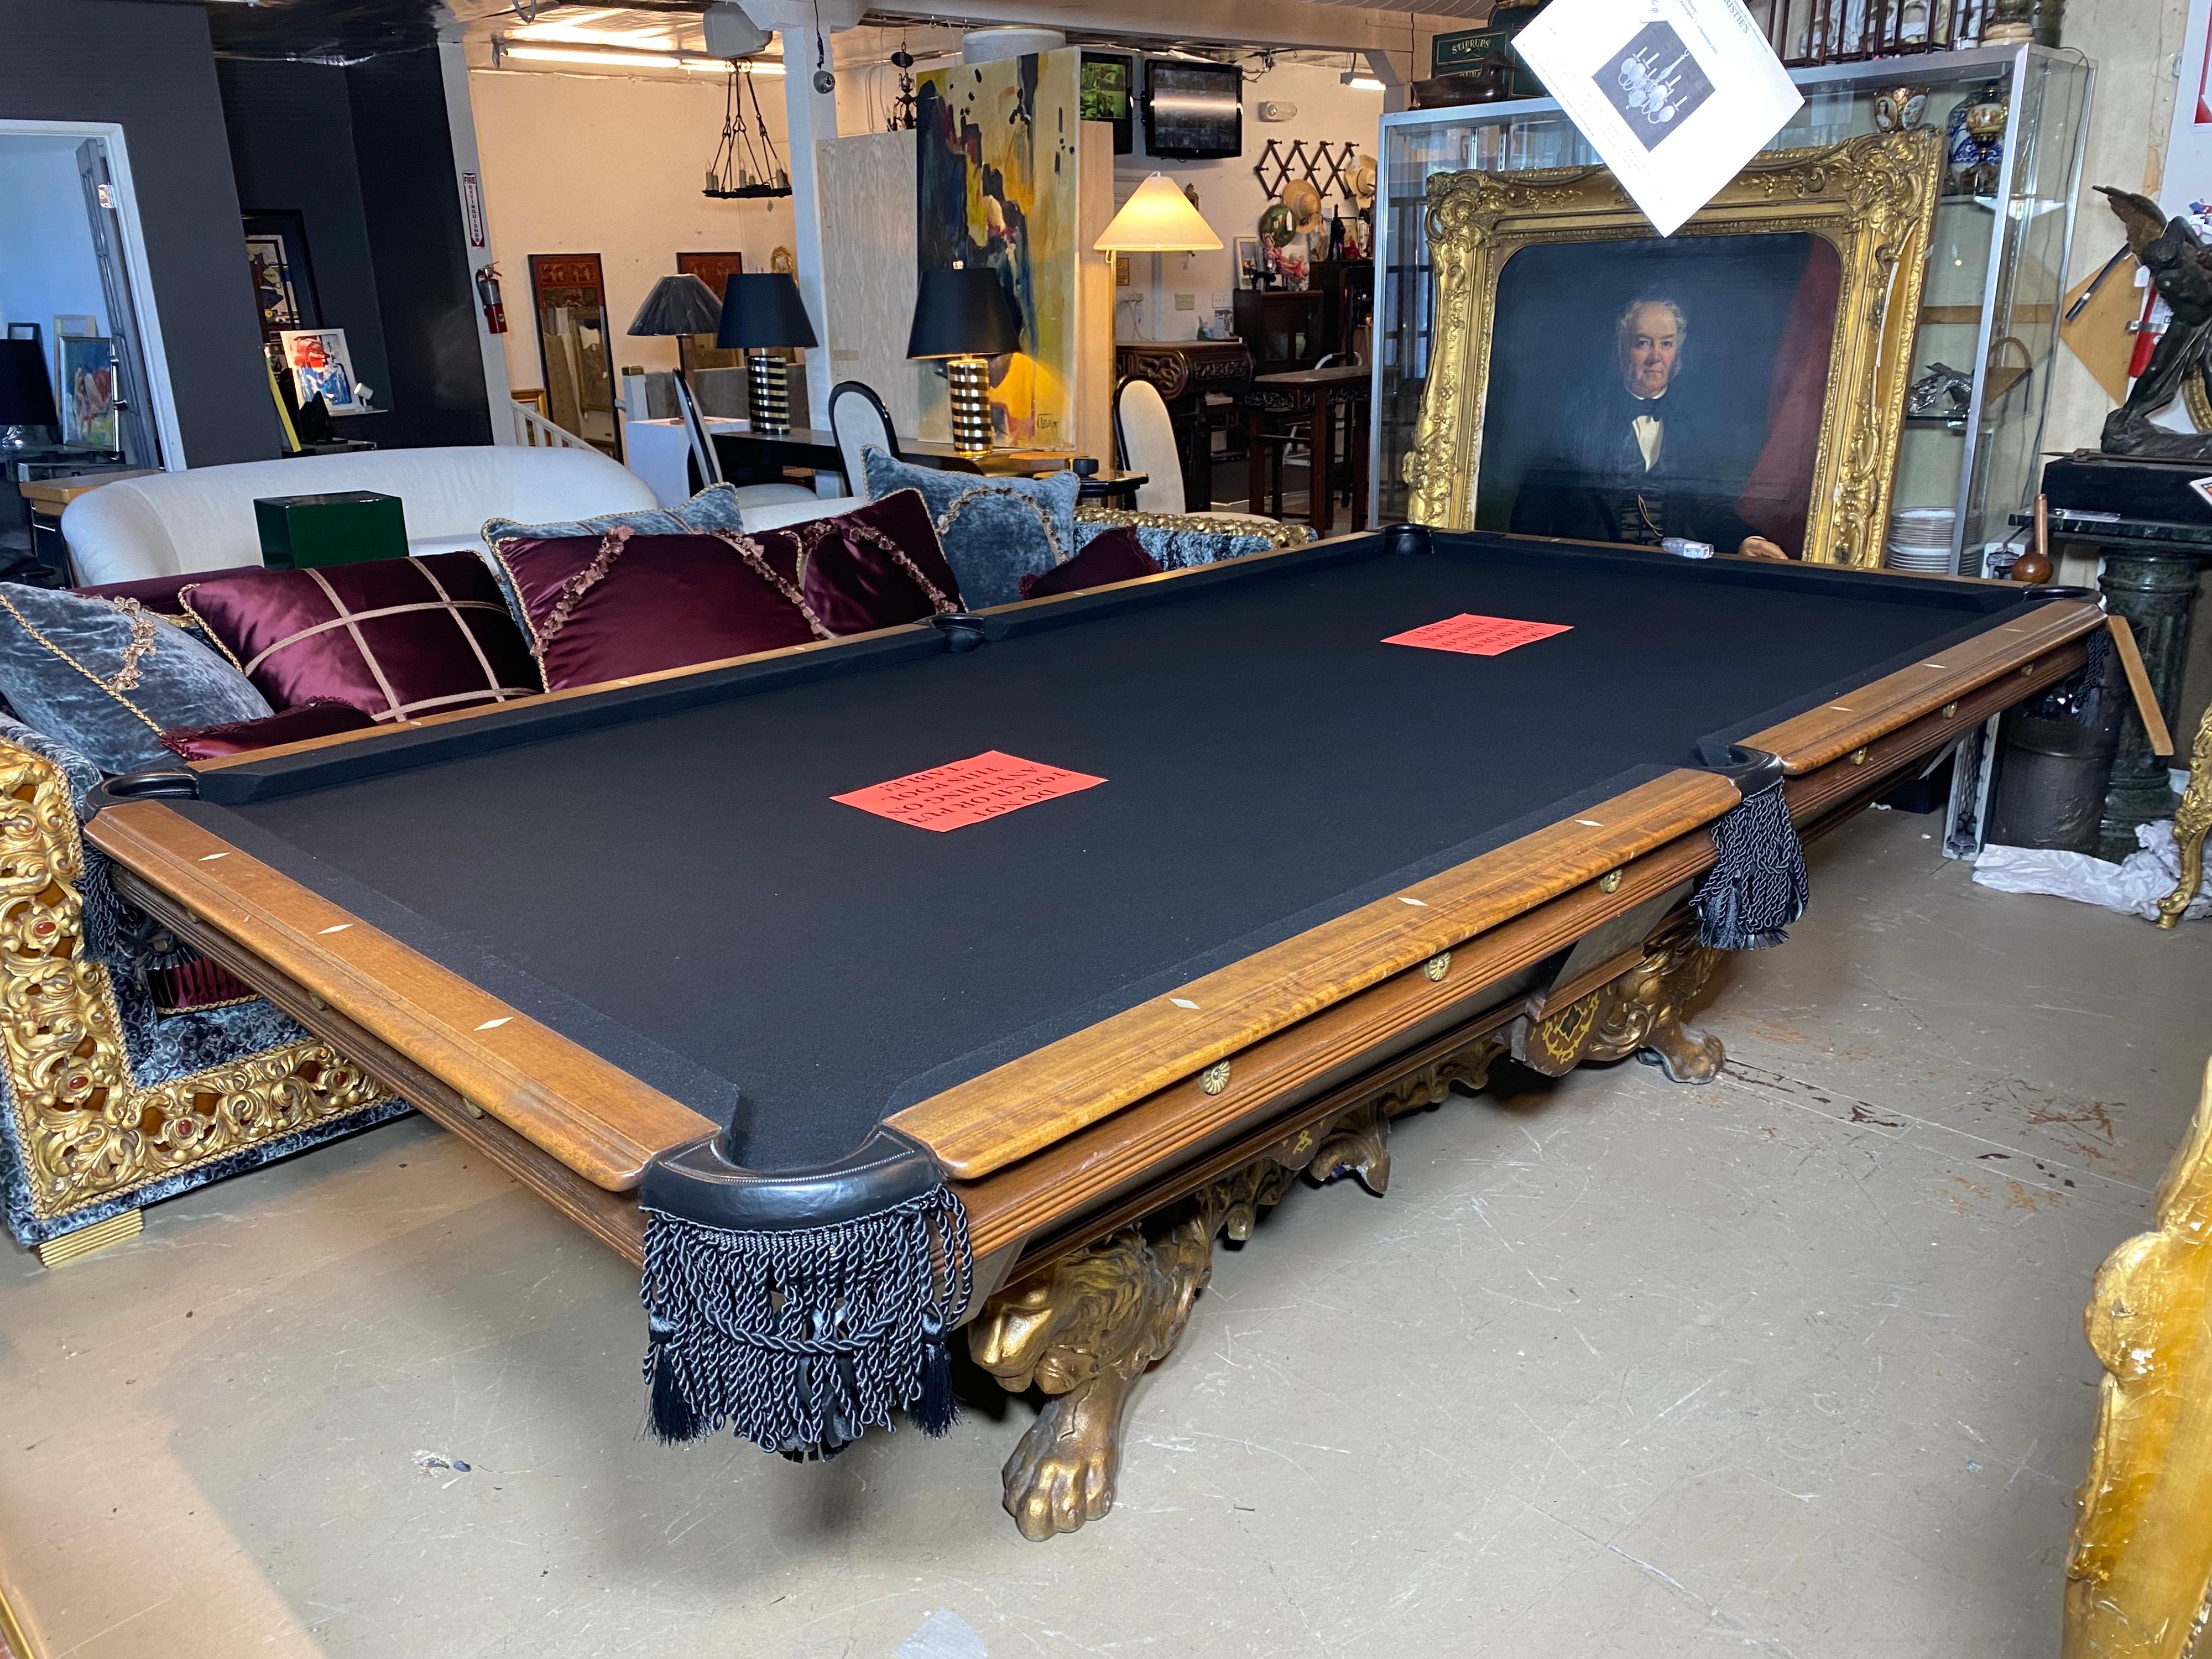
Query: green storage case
(346, 527)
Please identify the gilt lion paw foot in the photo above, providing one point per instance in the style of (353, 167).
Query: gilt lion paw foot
(1680, 1052)
(1062, 1474)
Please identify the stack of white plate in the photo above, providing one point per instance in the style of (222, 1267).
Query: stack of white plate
(1920, 540)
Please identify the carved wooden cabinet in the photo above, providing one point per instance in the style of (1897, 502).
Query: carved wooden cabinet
(1186, 373)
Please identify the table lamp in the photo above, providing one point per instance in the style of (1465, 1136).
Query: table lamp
(763, 311)
(27, 397)
(683, 305)
(964, 316)
(1157, 219)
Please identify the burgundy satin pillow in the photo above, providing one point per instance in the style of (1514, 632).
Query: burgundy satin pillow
(875, 567)
(395, 638)
(1111, 556)
(159, 594)
(322, 717)
(607, 607)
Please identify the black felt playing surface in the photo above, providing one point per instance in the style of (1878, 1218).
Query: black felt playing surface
(679, 891)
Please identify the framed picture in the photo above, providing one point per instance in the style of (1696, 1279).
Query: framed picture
(697, 351)
(284, 283)
(321, 366)
(1593, 380)
(1250, 262)
(67, 326)
(85, 365)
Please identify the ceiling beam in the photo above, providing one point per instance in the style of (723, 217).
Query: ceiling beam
(1280, 24)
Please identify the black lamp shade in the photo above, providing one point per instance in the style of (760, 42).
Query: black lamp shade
(678, 304)
(762, 309)
(27, 397)
(964, 314)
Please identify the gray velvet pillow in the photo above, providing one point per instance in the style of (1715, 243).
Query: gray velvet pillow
(712, 508)
(108, 677)
(994, 530)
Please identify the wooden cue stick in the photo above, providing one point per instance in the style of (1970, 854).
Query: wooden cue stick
(2124, 637)
(2043, 529)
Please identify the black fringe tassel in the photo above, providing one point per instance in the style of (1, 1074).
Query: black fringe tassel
(802, 1340)
(1757, 886)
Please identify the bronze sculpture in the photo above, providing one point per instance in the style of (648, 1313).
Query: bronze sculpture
(2180, 269)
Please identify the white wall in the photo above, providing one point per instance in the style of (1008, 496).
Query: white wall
(2133, 44)
(615, 166)
(46, 264)
(1230, 196)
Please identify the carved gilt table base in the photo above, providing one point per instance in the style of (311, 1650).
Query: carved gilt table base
(1084, 1328)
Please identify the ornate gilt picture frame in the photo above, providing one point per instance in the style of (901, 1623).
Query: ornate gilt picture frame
(1871, 199)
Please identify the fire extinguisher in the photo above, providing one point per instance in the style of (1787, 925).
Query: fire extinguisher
(488, 293)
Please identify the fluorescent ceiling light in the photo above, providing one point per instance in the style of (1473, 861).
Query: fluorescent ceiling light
(613, 59)
(1360, 81)
(585, 29)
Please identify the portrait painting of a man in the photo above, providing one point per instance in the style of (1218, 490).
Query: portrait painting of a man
(1643, 391)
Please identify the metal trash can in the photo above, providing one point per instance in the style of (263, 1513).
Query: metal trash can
(2055, 759)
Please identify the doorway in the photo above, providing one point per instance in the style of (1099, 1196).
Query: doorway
(73, 280)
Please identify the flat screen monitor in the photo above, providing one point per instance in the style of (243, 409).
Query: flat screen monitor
(1106, 93)
(1194, 111)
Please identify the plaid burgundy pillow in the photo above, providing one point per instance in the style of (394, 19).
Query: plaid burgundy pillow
(396, 638)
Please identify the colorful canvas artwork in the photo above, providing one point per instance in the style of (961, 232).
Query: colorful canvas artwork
(997, 187)
(322, 367)
(88, 383)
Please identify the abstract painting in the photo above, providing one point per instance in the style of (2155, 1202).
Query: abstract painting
(322, 367)
(996, 186)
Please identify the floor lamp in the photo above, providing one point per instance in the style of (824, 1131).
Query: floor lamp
(1157, 219)
(684, 305)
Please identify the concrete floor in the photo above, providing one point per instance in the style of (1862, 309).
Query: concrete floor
(1789, 1364)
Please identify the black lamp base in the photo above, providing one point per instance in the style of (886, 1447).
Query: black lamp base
(767, 387)
(968, 379)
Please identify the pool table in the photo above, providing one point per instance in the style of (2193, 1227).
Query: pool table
(1305, 841)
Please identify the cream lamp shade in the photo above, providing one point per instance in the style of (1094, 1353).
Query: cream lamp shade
(1158, 218)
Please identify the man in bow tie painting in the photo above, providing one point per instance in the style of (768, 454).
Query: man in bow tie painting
(1633, 463)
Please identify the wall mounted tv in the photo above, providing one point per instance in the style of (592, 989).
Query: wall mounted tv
(1194, 111)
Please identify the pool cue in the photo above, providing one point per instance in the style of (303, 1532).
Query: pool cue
(2124, 637)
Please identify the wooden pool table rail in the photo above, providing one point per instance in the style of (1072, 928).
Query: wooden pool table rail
(1832, 732)
(591, 1115)
(1017, 1109)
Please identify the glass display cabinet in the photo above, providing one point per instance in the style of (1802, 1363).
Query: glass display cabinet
(1990, 308)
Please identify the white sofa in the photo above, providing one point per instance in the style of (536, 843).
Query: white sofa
(170, 524)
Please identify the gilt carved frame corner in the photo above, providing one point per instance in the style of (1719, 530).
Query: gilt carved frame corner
(1872, 198)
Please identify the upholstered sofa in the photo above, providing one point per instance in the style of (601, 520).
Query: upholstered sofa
(168, 524)
(130, 1070)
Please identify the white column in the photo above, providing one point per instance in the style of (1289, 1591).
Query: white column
(810, 118)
